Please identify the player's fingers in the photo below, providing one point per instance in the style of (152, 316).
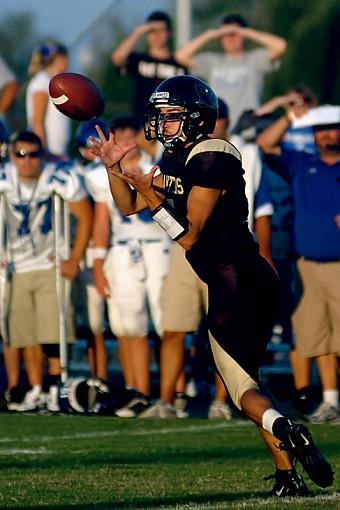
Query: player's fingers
(129, 147)
(154, 169)
(100, 133)
(123, 176)
(94, 141)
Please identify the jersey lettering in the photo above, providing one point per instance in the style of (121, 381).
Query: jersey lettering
(56, 178)
(46, 224)
(25, 210)
(173, 184)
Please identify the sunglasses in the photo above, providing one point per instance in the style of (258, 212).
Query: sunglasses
(33, 154)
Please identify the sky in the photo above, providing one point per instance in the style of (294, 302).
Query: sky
(70, 21)
(66, 20)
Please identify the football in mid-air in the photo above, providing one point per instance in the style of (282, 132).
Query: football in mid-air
(76, 96)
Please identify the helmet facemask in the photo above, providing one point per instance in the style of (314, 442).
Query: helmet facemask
(188, 127)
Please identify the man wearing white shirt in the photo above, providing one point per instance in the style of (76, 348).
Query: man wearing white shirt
(28, 186)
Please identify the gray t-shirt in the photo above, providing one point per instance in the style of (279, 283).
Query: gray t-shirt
(236, 80)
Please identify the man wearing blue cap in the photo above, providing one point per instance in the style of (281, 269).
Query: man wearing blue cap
(315, 180)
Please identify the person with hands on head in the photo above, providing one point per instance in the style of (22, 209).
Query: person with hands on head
(237, 74)
(207, 216)
(149, 68)
(298, 100)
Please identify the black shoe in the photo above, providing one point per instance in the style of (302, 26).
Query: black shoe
(14, 398)
(288, 484)
(304, 401)
(299, 442)
(132, 409)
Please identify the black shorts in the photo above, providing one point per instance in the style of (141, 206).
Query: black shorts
(242, 307)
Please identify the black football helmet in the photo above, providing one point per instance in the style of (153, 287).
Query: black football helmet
(197, 119)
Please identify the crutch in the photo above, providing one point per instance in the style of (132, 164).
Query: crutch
(3, 270)
(62, 251)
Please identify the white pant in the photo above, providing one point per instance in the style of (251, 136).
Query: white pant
(135, 286)
(95, 310)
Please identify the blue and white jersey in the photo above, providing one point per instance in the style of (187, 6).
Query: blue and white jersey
(138, 226)
(29, 212)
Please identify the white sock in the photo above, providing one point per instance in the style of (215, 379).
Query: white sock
(268, 419)
(331, 397)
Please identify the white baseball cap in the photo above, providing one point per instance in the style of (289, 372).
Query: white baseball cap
(319, 116)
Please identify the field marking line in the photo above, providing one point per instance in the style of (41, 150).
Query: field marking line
(255, 502)
(113, 433)
(25, 451)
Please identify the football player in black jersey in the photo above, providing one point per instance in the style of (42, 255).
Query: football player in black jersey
(197, 196)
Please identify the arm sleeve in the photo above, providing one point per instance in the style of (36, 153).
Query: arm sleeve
(97, 184)
(131, 66)
(218, 170)
(284, 164)
(39, 83)
(202, 64)
(263, 204)
(260, 57)
(6, 74)
(68, 183)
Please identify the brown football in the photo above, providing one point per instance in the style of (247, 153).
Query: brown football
(76, 96)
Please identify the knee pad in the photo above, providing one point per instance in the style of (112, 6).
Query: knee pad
(236, 380)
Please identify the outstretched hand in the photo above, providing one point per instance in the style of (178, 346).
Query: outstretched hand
(107, 150)
(141, 182)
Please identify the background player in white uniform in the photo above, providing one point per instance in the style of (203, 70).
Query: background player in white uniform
(43, 118)
(133, 271)
(92, 167)
(28, 186)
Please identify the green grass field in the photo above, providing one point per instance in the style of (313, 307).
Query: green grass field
(68, 462)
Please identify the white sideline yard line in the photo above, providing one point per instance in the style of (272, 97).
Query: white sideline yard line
(296, 502)
(25, 451)
(113, 433)
(288, 502)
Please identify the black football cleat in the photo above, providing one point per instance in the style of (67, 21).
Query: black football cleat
(288, 484)
(299, 442)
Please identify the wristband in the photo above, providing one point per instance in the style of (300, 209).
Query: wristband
(165, 216)
(99, 253)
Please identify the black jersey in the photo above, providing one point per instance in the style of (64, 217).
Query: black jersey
(216, 164)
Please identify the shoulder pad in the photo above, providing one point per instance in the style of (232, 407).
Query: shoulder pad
(64, 166)
(93, 165)
(214, 145)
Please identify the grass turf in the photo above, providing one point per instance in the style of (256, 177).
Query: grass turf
(79, 462)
